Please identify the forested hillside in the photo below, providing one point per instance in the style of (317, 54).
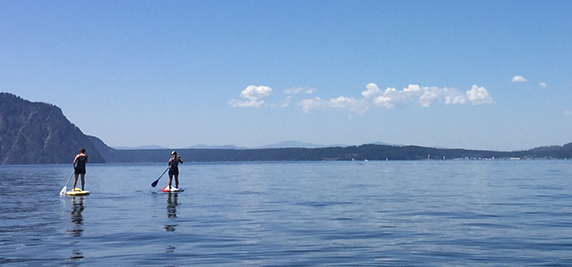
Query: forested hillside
(363, 152)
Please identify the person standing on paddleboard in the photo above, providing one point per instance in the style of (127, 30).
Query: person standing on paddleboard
(174, 169)
(79, 166)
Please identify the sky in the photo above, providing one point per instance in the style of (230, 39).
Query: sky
(491, 75)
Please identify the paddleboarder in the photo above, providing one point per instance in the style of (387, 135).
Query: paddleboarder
(79, 167)
(174, 168)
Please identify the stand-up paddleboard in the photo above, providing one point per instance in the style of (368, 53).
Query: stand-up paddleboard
(77, 192)
(172, 189)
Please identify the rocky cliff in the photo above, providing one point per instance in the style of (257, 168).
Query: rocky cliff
(39, 133)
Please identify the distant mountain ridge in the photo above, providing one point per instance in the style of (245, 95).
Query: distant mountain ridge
(202, 146)
(38, 133)
(294, 144)
(138, 147)
(284, 144)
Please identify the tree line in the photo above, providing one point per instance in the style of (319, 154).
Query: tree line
(362, 152)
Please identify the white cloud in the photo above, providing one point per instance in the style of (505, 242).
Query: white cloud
(300, 90)
(256, 92)
(454, 96)
(479, 95)
(254, 96)
(246, 103)
(372, 90)
(412, 88)
(391, 97)
(313, 103)
(518, 79)
(285, 103)
(429, 96)
(543, 85)
(342, 102)
(425, 96)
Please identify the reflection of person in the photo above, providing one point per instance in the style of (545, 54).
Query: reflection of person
(174, 169)
(77, 208)
(76, 217)
(171, 211)
(172, 205)
(79, 166)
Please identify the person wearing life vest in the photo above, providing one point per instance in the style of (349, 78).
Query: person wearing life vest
(174, 169)
(79, 168)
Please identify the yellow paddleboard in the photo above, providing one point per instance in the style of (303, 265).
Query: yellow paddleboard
(77, 192)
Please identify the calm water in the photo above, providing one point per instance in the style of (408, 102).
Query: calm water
(411, 213)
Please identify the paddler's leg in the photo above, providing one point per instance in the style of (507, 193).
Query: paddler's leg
(176, 180)
(82, 181)
(170, 179)
(75, 181)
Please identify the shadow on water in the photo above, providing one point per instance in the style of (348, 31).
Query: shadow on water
(76, 218)
(172, 203)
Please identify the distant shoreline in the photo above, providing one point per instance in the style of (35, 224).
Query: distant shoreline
(370, 152)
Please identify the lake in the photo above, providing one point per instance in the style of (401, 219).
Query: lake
(386, 213)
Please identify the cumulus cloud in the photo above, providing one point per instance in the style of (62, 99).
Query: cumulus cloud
(300, 90)
(372, 90)
(454, 96)
(254, 96)
(479, 95)
(425, 96)
(373, 96)
(543, 85)
(518, 79)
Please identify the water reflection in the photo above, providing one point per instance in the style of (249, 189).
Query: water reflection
(170, 249)
(76, 218)
(171, 211)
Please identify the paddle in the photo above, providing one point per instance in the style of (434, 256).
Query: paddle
(153, 184)
(63, 191)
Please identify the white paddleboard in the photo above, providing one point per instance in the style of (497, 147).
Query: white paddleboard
(172, 190)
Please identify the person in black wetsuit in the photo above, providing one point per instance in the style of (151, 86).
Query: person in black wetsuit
(174, 168)
(79, 166)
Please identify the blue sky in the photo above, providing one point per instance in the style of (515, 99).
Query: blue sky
(460, 74)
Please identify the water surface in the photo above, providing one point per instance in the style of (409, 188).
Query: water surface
(390, 213)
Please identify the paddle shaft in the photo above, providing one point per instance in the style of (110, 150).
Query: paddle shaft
(156, 181)
(66, 185)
